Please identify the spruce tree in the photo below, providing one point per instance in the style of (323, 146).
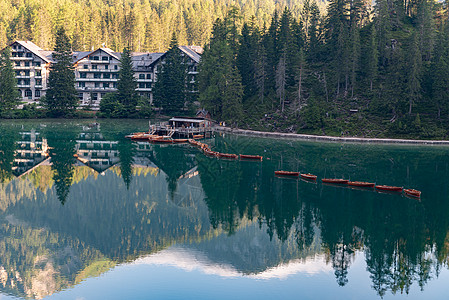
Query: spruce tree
(170, 87)
(372, 58)
(127, 84)
(9, 95)
(413, 87)
(61, 97)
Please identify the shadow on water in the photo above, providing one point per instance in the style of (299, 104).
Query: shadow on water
(105, 223)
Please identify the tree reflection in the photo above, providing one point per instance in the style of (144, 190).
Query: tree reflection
(8, 145)
(62, 143)
(126, 150)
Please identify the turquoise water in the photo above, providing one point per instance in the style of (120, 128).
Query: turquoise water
(87, 214)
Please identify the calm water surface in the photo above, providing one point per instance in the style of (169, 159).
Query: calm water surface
(87, 214)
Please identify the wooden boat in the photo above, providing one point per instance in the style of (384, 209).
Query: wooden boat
(388, 188)
(211, 153)
(140, 137)
(162, 140)
(286, 173)
(251, 157)
(335, 180)
(412, 193)
(198, 136)
(179, 141)
(361, 184)
(226, 155)
(308, 176)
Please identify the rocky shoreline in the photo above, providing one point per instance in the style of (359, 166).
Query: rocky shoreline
(320, 138)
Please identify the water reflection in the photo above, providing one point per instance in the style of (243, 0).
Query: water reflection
(124, 201)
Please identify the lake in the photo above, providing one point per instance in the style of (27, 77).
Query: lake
(88, 214)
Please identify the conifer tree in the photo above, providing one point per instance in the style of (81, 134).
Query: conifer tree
(9, 95)
(169, 89)
(413, 87)
(61, 97)
(127, 84)
(372, 58)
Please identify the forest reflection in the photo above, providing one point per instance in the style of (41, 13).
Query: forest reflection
(405, 241)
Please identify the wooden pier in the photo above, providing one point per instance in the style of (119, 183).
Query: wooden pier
(180, 127)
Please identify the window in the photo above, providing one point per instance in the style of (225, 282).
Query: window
(106, 67)
(14, 47)
(104, 58)
(97, 75)
(148, 85)
(28, 94)
(115, 67)
(28, 54)
(17, 63)
(114, 85)
(38, 73)
(141, 85)
(97, 84)
(81, 84)
(105, 84)
(141, 76)
(114, 75)
(80, 95)
(38, 81)
(17, 73)
(36, 63)
(148, 76)
(27, 73)
(20, 54)
(83, 75)
(94, 96)
(26, 82)
(94, 67)
(37, 93)
(95, 58)
(106, 75)
(85, 67)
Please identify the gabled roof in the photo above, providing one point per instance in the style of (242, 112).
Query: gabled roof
(35, 49)
(108, 51)
(194, 52)
(142, 60)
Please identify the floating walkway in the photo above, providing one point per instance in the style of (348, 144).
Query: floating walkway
(323, 138)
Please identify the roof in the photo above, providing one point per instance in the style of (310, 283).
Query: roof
(191, 120)
(84, 54)
(194, 52)
(36, 50)
(142, 60)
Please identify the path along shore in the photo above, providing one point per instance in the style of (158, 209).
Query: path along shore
(321, 138)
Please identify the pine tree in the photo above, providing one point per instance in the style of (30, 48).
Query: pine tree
(9, 95)
(413, 87)
(372, 58)
(61, 97)
(169, 89)
(127, 84)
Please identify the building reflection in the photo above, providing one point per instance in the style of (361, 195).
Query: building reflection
(152, 197)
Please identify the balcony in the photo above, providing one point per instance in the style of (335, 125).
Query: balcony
(23, 85)
(23, 77)
(97, 79)
(38, 86)
(143, 89)
(95, 89)
(144, 80)
(20, 58)
(22, 68)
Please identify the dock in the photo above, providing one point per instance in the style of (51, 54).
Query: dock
(182, 128)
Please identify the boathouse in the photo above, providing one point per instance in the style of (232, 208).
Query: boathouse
(183, 122)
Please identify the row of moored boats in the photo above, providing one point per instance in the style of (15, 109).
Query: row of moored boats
(358, 184)
(209, 152)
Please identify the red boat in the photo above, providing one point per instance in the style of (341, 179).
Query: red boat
(389, 188)
(286, 173)
(210, 152)
(252, 157)
(308, 176)
(198, 136)
(412, 193)
(226, 155)
(179, 141)
(335, 180)
(361, 184)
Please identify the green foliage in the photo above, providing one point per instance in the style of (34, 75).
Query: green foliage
(110, 107)
(9, 95)
(61, 97)
(127, 84)
(169, 89)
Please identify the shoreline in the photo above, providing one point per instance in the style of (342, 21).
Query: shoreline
(324, 138)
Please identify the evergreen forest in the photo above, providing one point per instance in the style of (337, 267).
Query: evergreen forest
(358, 70)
